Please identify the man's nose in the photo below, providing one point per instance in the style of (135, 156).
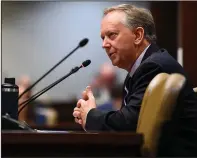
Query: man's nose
(105, 44)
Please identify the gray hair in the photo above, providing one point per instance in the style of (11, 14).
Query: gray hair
(137, 17)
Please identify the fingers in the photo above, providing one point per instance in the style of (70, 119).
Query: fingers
(79, 103)
(76, 109)
(79, 121)
(77, 114)
(89, 93)
(84, 95)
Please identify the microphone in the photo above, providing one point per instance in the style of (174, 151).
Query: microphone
(74, 70)
(85, 63)
(82, 43)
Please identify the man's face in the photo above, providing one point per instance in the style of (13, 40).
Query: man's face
(118, 40)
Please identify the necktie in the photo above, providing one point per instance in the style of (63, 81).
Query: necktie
(126, 89)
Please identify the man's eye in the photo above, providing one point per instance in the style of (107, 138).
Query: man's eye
(112, 36)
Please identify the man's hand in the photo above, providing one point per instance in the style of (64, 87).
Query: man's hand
(84, 106)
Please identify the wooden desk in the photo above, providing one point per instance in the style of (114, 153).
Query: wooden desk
(72, 126)
(75, 144)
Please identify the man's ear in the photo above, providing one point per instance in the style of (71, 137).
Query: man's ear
(139, 35)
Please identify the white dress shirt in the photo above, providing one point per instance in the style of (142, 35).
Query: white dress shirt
(138, 62)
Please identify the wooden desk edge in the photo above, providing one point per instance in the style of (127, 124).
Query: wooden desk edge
(72, 138)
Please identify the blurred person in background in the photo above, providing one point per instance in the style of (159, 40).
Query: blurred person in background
(115, 101)
(23, 83)
(116, 94)
(103, 83)
(36, 112)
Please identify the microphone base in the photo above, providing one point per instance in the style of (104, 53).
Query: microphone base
(8, 123)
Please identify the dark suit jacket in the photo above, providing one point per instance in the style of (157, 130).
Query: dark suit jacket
(155, 61)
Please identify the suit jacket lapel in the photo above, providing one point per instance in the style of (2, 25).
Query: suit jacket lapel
(153, 48)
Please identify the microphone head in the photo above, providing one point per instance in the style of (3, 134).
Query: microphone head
(83, 42)
(86, 63)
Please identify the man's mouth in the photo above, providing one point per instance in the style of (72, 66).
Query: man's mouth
(110, 54)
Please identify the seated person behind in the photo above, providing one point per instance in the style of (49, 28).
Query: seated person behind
(116, 99)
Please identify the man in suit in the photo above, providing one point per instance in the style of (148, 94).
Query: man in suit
(129, 38)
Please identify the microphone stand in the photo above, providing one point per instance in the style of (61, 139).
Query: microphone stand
(47, 88)
(81, 44)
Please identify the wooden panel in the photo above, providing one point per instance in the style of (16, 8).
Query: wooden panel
(188, 15)
(165, 17)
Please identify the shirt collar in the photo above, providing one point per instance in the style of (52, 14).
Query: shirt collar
(138, 62)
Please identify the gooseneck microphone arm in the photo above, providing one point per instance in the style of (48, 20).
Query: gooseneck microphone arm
(74, 70)
(81, 44)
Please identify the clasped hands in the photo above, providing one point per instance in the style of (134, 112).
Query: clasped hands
(84, 105)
